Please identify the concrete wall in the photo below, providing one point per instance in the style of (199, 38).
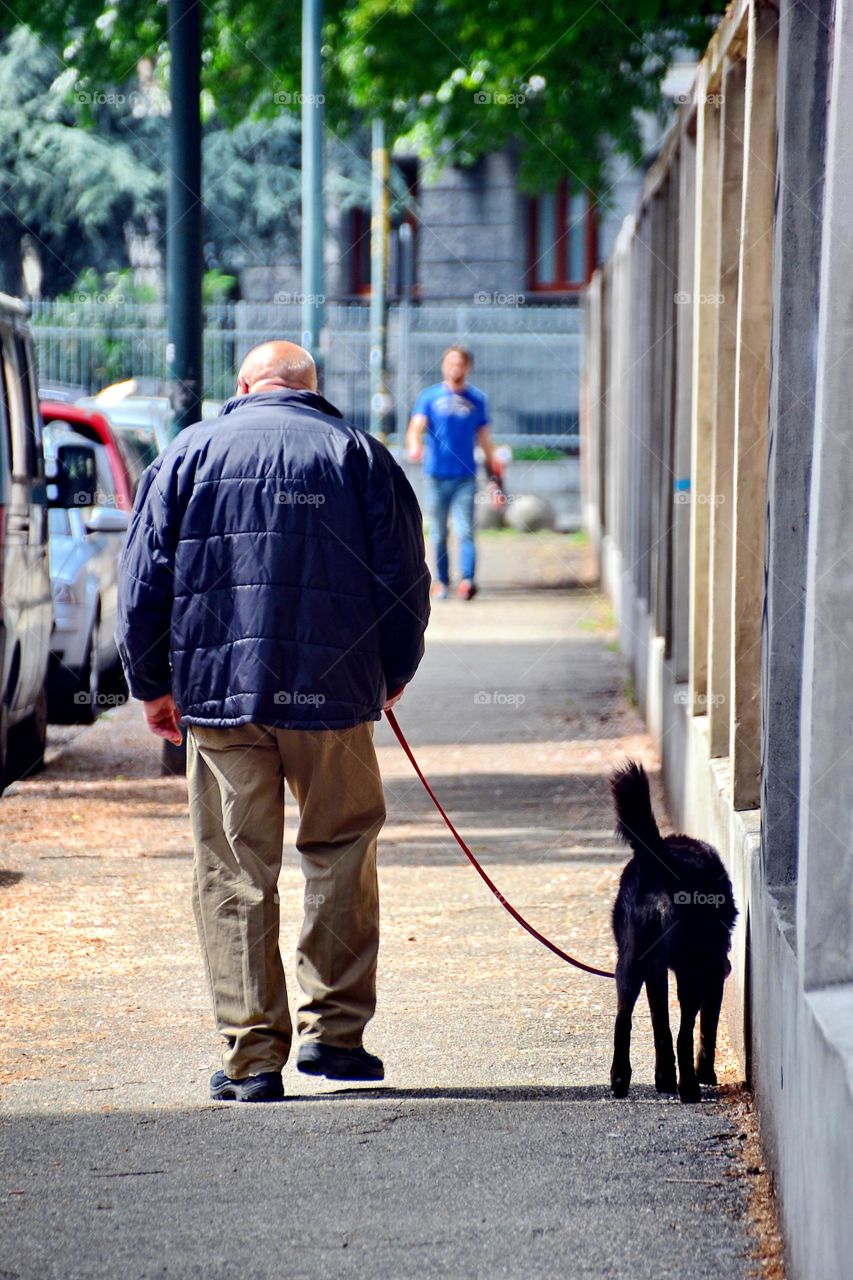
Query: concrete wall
(755, 729)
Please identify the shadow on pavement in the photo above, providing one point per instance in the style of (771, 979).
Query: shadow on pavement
(439, 1183)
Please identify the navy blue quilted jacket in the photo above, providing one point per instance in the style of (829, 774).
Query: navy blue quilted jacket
(274, 570)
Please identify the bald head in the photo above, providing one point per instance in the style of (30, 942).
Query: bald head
(277, 364)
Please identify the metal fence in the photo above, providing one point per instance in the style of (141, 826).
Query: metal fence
(527, 358)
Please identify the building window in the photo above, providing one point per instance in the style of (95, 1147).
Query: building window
(358, 235)
(359, 250)
(561, 240)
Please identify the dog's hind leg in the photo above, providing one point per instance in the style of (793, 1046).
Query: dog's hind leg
(690, 999)
(708, 1020)
(657, 992)
(629, 980)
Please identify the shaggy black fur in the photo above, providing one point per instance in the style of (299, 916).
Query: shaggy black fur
(674, 910)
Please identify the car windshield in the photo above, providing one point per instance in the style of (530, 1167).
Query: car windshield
(138, 449)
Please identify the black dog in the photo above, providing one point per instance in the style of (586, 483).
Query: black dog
(674, 910)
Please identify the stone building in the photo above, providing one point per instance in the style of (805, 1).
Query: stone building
(477, 238)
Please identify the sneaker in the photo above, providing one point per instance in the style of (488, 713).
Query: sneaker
(466, 589)
(439, 591)
(335, 1063)
(264, 1087)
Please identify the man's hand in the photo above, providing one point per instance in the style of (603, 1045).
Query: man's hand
(162, 718)
(415, 436)
(394, 698)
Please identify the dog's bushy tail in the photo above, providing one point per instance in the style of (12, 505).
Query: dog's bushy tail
(635, 820)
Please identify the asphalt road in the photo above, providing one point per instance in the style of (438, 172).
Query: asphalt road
(494, 1148)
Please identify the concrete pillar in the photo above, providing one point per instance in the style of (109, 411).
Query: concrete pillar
(752, 390)
(591, 392)
(724, 306)
(654, 382)
(702, 382)
(641, 413)
(604, 337)
(667, 277)
(825, 880)
(801, 129)
(680, 643)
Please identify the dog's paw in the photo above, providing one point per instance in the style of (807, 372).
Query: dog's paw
(620, 1084)
(689, 1091)
(665, 1081)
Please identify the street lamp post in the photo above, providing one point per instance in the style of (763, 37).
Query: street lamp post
(185, 327)
(379, 230)
(183, 222)
(312, 177)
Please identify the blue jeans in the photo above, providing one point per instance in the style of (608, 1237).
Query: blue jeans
(445, 497)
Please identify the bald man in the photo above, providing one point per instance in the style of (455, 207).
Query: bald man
(274, 598)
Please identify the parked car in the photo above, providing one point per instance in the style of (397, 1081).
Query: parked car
(86, 540)
(62, 392)
(140, 425)
(141, 417)
(95, 427)
(25, 604)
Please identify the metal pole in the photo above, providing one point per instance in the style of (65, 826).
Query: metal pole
(380, 401)
(185, 323)
(312, 177)
(184, 352)
(406, 248)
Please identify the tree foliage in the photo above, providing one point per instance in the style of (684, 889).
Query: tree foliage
(454, 79)
(70, 190)
(75, 192)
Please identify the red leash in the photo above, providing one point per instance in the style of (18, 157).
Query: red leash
(516, 915)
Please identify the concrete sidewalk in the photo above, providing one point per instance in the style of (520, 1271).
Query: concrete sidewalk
(494, 1148)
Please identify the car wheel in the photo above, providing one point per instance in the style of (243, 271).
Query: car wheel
(28, 740)
(74, 693)
(91, 676)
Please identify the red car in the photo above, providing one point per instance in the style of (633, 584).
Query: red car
(95, 426)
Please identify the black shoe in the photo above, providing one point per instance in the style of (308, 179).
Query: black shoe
(264, 1087)
(315, 1059)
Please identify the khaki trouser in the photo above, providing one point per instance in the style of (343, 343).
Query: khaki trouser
(236, 787)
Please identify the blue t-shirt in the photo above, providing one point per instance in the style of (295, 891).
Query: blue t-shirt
(453, 420)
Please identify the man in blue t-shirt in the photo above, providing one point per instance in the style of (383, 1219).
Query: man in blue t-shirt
(448, 420)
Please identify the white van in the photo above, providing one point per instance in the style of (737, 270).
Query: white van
(26, 614)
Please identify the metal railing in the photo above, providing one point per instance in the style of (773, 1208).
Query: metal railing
(527, 358)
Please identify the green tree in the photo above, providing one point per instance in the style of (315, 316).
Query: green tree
(70, 190)
(456, 79)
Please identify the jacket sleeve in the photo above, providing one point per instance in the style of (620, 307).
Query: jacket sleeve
(146, 590)
(401, 580)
